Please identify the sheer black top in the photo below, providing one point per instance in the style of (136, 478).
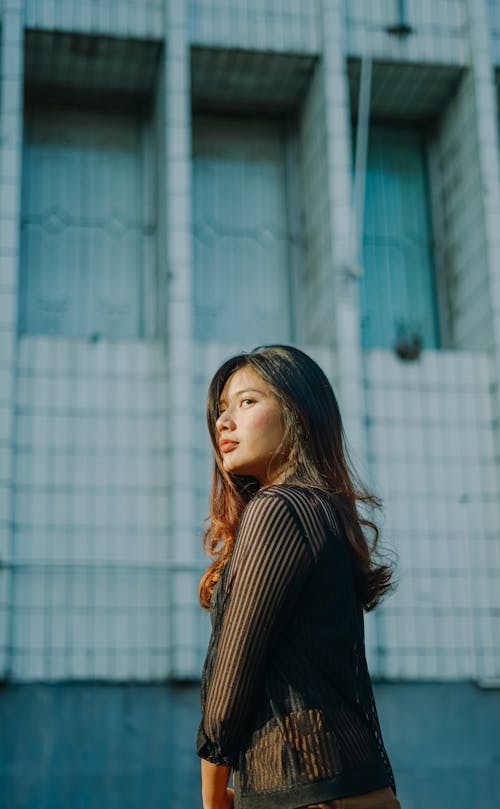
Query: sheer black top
(286, 696)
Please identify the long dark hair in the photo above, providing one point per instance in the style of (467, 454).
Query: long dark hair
(314, 441)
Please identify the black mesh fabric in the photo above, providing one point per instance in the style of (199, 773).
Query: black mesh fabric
(286, 696)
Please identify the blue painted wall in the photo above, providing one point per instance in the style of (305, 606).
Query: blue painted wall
(125, 746)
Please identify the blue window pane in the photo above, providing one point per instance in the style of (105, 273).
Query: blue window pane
(240, 238)
(398, 298)
(83, 225)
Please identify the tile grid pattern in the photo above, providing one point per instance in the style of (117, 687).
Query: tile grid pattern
(493, 8)
(272, 25)
(115, 66)
(432, 460)
(126, 18)
(338, 273)
(439, 26)
(325, 118)
(182, 529)
(487, 114)
(90, 511)
(406, 91)
(11, 89)
(464, 238)
(90, 595)
(237, 80)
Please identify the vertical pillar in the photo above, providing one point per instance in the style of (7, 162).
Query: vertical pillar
(345, 278)
(486, 109)
(487, 122)
(179, 343)
(349, 380)
(11, 116)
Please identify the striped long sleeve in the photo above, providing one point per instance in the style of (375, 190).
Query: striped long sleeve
(270, 562)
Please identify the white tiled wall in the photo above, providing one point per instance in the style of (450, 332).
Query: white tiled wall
(104, 465)
(337, 303)
(439, 30)
(133, 18)
(463, 236)
(11, 90)
(90, 510)
(431, 454)
(183, 538)
(484, 55)
(256, 24)
(494, 28)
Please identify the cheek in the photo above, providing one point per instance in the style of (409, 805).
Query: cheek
(268, 425)
(262, 419)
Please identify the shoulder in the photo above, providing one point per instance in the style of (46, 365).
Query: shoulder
(267, 502)
(308, 508)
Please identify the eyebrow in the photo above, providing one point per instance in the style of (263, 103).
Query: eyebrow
(244, 390)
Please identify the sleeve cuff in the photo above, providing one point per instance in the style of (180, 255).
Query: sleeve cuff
(206, 749)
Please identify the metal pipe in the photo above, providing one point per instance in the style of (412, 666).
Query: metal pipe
(360, 160)
(402, 27)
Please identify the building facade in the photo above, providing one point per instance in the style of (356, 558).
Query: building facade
(183, 179)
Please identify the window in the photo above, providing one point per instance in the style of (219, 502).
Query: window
(85, 225)
(398, 298)
(241, 240)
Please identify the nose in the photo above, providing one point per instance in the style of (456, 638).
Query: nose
(224, 422)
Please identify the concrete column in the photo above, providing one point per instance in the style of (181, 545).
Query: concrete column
(347, 345)
(183, 534)
(487, 121)
(11, 117)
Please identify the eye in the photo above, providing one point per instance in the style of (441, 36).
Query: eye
(247, 401)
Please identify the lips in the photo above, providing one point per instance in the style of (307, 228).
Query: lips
(227, 446)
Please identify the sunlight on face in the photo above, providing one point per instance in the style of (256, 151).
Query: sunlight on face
(250, 427)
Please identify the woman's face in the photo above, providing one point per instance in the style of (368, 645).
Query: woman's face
(250, 427)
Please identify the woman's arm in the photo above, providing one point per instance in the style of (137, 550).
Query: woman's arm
(270, 561)
(214, 790)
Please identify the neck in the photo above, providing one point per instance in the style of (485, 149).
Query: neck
(278, 476)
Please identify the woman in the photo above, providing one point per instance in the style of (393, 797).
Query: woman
(287, 703)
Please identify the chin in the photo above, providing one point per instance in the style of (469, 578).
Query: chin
(232, 468)
(238, 469)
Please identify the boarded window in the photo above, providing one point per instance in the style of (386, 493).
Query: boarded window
(398, 291)
(85, 225)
